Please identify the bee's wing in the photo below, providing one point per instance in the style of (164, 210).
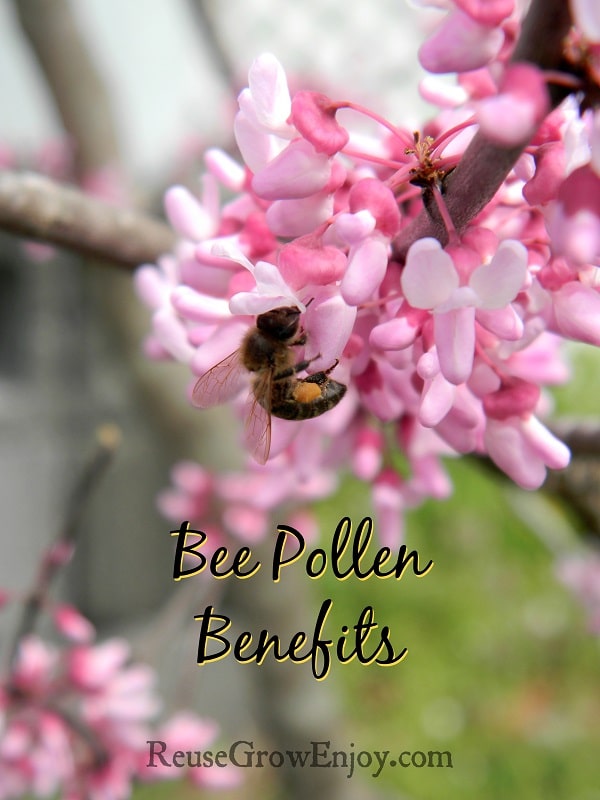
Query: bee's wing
(221, 383)
(257, 432)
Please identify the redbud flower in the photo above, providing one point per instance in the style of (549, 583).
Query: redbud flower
(460, 44)
(431, 281)
(513, 115)
(367, 454)
(574, 219)
(577, 312)
(523, 448)
(188, 733)
(487, 12)
(297, 172)
(449, 350)
(313, 114)
(70, 623)
(261, 126)
(388, 505)
(549, 173)
(76, 721)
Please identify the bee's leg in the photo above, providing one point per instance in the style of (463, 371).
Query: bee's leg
(300, 339)
(321, 377)
(299, 367)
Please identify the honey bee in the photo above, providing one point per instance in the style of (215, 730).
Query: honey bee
(266, 352)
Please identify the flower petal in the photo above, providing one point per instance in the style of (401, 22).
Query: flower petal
(367, 263)
(499, 282)
(298, 171)
(429, 277)
(455, 341)
(267, 98)
(577, 312)
(460, 44)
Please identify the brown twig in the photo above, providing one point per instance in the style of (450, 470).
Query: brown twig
(107, 441)
(214, 42)
(39, 208)
(74, 81)
(485, 165)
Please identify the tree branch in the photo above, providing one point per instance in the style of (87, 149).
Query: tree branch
(485, 165)
(107, 442)
(214, 44)
(74, 81)
(39, 208)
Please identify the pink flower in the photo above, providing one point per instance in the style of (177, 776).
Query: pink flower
(185, 732)
(574, 219)
(431, 281)
(369, 228)
(313, 115)
(487, 12)
(460, 44)
(523, 448)
(190, 496)
(367, 454)
(270, 289)
(577, 312)
(34, 666)
(75, 719)
(513, 115)
(297, 172)
(72, 624)
(261, 127)
(388, 504)
(91, 667)
(549, 174)
(192, 219)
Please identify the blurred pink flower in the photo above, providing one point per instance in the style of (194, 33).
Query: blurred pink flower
(75, 721)
(581, 574)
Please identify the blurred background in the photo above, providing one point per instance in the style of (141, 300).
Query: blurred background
(502, 669)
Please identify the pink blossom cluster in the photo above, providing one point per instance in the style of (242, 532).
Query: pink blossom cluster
(75, 720)
(446, 351)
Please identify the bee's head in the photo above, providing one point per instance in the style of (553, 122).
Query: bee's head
(280, 323)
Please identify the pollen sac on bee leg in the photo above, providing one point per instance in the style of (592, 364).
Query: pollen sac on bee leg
(306, 392)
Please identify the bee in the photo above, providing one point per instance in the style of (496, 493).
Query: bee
(266, 352)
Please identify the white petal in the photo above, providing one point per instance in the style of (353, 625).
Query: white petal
(199, 307)
(455, 341)
(499, 282)
(257, 147)
(269, 92)
(253, 303)
(225, 168)
(269, 281)
(227, 248)
(330, 325)
(351, 228)
(367, 263)
(298, 171)
(429, 277)
(186, 214)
